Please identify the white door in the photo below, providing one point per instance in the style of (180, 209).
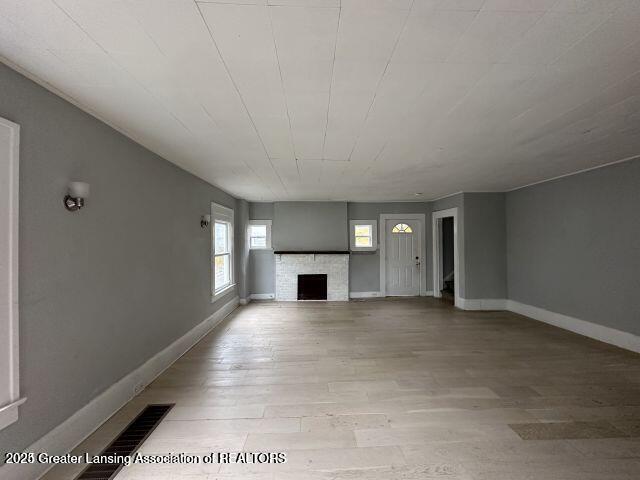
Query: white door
(402, 248)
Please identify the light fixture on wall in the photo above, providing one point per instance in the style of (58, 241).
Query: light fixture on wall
(205, 221)
(77, 193)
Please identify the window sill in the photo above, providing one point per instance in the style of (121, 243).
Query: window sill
(221, 293)
(9, 413)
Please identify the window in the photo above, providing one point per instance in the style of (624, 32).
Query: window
(222, 233)
(364, 235)
(402, 228)
(259, 234)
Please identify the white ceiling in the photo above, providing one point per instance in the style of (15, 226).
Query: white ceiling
(347, 99)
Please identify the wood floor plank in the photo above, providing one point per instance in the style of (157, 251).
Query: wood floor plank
(393, 389)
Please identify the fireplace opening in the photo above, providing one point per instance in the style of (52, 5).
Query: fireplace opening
(312, 286)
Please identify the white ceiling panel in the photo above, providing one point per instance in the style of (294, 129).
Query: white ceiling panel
(587, 6)
(518, 5)
(347, 100)
(368, 34)
(305, 40)
(425, 6)
(243, 34)
(305, 3)
(492, 35)
(553, 36)
(432, 37)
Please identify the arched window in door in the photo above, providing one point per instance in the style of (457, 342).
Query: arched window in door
(401, 228)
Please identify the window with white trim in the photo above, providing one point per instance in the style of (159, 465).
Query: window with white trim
(364, 235)
(259, 234)
(222, 239)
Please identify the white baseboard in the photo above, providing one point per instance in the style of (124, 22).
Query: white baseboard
(66, 436)
(245, 301)
(364, 294)
(428, 293)
(482, 303)
(609, 335)
(262, 296)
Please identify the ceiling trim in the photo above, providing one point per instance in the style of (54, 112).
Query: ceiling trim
(584, 170)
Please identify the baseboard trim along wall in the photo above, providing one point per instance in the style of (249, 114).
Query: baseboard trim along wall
(482, 303)
(66, 436)
(609, 335)
(262, 296)
(428, 293)
(364, 294)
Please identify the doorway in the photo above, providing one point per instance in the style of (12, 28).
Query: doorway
(402, 255)
(446, 277)
(447, 289)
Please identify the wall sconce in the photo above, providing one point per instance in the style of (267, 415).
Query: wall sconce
(77, 193)
(205, 221)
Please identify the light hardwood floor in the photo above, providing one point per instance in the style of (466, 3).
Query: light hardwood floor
(393, 389)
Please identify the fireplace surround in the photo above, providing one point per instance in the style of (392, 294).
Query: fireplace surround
(334, 265)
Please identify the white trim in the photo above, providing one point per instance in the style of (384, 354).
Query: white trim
(436, 229)
(220, 211)
(609, 335)
(262, 296)
(364, 294)
(269, 225)
(584, 170)
(245, 301)
(482, 303)
(446, 196)
(66, 436)
(374, 235)
(224, 214)
(421, 218)
(9, 300)
(9, 413)
(223, 292)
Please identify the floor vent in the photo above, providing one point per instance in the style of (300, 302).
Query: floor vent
(127, 442)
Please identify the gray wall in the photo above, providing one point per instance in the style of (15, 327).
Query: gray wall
(455, 201)
(104, 289)
(364, 267)
(481, 243)
(310, 226)
(261, 262)
(485, 245)
(242, 248)
(573, 246)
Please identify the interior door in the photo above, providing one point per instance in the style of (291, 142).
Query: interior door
(402, 248)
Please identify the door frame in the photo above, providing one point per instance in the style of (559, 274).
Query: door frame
(9, 284)
(382, 235)
(437, 253)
